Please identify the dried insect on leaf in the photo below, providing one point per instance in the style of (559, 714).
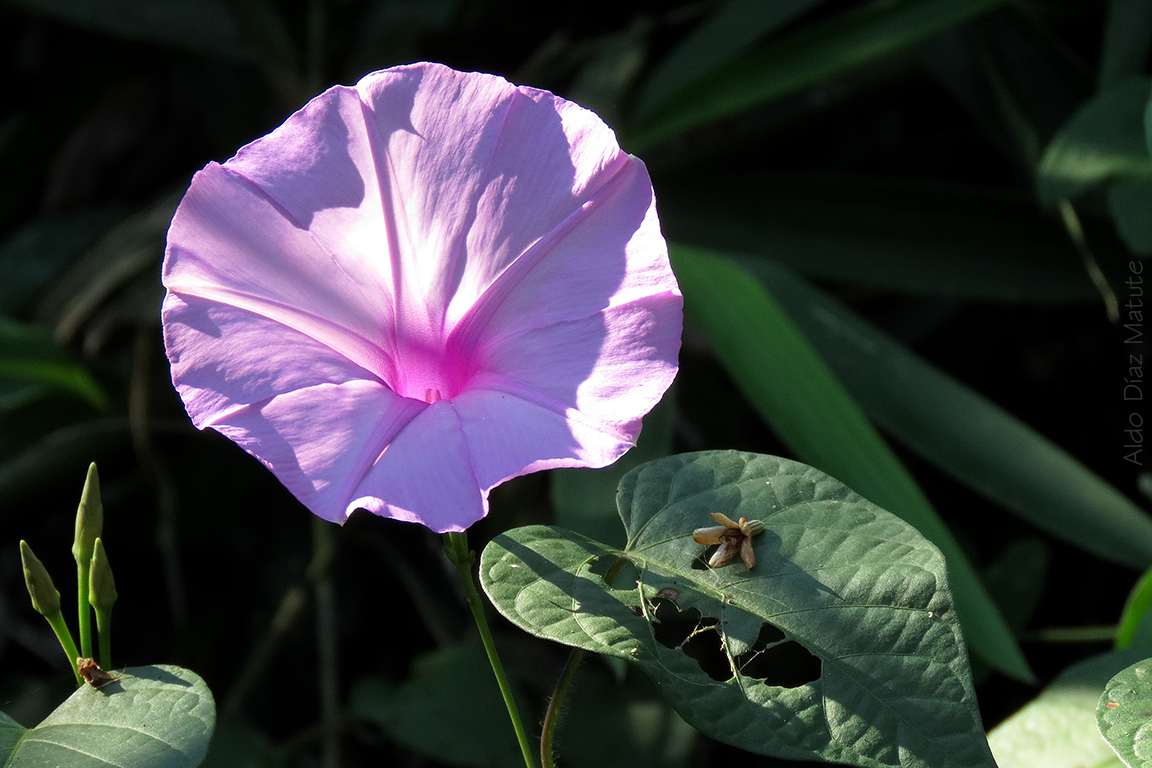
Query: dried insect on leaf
(732, 537)
(93, 674)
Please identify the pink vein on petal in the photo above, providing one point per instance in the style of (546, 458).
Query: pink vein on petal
(385, 433)
(471, 327)
(345, 342)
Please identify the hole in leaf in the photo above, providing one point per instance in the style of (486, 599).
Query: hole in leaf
(778, 661)
(693, 634)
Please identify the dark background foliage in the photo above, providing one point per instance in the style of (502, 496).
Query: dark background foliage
(107, 107)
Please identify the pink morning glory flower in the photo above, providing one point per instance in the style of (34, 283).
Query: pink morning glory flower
(419, 287)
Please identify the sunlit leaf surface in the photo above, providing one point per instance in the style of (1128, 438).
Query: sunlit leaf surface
(151, 717)
(841, 644)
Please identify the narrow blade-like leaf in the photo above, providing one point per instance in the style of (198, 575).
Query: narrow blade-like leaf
(963, 433)
(812, 54)
(29, 353)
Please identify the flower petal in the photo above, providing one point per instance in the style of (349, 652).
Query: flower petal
(425, 475)
(511, 431)
(475, 170)
(223, 357)
(321, 440)
(709, 536)
(230, 244)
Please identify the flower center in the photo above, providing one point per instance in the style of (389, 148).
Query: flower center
(428, 374)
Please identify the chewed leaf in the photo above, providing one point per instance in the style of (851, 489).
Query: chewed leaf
(841, 644)
(148, 717)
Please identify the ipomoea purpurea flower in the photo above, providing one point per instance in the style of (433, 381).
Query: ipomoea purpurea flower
(419, 287)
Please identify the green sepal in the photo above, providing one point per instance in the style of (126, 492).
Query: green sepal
(45, 596)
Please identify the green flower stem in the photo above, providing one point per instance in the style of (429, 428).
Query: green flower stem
(56, 621)
(85, 609)
(323, 548)
(456, 544)
(104, 637)
(553, 715)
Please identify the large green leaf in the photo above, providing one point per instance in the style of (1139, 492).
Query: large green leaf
(841, 644)
(1123, 713)
(793, 390)
(1104, 139)
(814, 53)
(152, 717)
(29, 353)
(1058, 728)
(912, 237)
(962, 432)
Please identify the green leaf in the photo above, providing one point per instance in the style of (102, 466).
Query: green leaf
(453, 685)
(841, 644)
(1130, 203)
(735, 26)
(200, 26)
(911, 237)
(60, 453)
(1127, 38)
(151, 717)
(643, 731)
(1104, 139)
(31, 257)
(963, 433)
(814, 53)
(29, 353)
(1135, 609)
(1058, 728)
(793, 390)
(1123, 713)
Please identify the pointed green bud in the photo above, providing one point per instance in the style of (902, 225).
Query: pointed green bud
(89, 519)
(101, 587)
(45, 597)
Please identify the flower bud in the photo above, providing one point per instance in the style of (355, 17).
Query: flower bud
(45, 597)
(101, 587)
(89, 518)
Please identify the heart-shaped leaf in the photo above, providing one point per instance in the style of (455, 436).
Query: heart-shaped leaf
(840, 644)
(1124, 714)
(150, 717)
